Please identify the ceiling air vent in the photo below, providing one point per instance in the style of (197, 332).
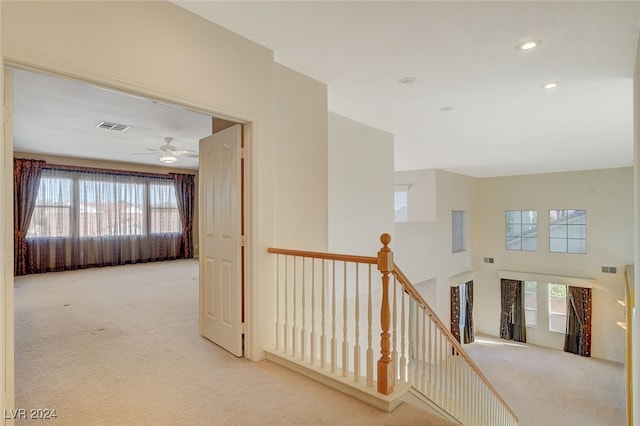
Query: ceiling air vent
(112, 126)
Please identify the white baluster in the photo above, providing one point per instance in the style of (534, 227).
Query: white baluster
(312, 345)
(431, 362)
(304, 302)
(483, 401)
(461, 393)
(472, 407)
(345, 322)
(445, 366)
(465, 392)
(449, 368)
(440, 368)
(423, 378)
(477, 400)
(356, 348)
(456, 387)
(294, 331)
(286, 304)
(369, 335)
(469, 384)
(323, 335)
(411, 343)
(278, 302)
(394, 347)
(416, 347)
(403, 330)
(334, 346)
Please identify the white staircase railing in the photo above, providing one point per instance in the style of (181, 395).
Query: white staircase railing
(325, 309)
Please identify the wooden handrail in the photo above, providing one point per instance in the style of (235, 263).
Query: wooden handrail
(413, 292)
(328, 256)
(385, 263)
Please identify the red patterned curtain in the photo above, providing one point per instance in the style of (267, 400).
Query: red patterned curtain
(26, 181)
(102, 218)
(455, 312)
(512, 323)
(468, 327)
(185, 195)
(578, 337)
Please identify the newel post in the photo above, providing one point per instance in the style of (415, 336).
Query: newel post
(386, 375)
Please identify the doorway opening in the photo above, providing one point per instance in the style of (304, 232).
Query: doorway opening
(74, 156)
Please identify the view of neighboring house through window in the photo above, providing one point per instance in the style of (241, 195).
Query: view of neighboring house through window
(75, 205)
(521, 230)
(531, 303)
(458, 231)
(163, 206)
(557, 307)
(568, 231)
(110, 208)
(400, 203)
(52, 212)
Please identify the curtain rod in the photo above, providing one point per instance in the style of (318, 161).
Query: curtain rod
(110, 171)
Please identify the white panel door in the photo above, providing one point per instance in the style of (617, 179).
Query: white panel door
(220, 239)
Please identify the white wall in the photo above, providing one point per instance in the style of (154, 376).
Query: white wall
(6, 253)
(161, 51)
(635, 340)
(421, 196)
(300, 161)
(423, 250)
(607, 195)
(360, 186)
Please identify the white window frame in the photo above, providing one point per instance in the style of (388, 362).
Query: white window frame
(458, 231)
(171, 211)
(401, 203)
(534, 312)
(551, 313)
(568, 233)
(74, 208)
(39, 205)
(519, 225)
(544, 281)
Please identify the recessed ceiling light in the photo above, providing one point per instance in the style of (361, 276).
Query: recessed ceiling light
(550, 85)
(407, 81)
(528, 44)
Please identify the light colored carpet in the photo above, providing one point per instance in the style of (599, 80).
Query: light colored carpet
(550, 387)
(120, 346)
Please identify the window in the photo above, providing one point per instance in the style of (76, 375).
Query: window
(400, 203)
(521, 230)
(531, 303)
(164, 209)
(52, 212)
(568, 231)
(90, 204)
(557, 307)
(111, 208)
(458, 231)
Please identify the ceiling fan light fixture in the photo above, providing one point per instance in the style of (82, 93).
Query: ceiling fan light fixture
(168, 158)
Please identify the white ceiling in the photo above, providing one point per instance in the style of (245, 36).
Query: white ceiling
(461, 53)
(463, 56)
(59, 116)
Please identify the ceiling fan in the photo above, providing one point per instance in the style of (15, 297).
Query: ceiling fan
(169, 153)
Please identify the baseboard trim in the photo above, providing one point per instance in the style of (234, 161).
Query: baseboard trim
(418, 399)
(346, 385)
